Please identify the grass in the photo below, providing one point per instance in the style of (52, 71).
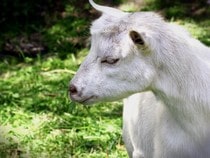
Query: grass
(37, 119)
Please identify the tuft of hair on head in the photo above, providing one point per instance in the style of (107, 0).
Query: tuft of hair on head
(107, 10)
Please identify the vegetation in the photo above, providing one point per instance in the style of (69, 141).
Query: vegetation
(37, 119)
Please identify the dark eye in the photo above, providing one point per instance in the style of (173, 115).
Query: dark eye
(110, 61)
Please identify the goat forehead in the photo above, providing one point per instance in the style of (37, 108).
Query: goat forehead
(104, 25)
(112, 39)
(114, 31)
(104, 46)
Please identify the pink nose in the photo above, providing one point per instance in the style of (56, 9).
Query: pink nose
(73, 89)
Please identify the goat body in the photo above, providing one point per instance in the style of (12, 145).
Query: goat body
(164, 72)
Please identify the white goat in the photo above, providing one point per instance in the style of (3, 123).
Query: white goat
(140, 52)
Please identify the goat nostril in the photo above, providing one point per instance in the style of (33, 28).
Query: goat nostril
(73, 89)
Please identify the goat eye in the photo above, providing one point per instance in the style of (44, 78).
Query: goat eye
(110, 61)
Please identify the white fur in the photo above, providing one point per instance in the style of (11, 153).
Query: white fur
(172, 119)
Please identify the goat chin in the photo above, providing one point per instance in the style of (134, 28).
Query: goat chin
(166, 70)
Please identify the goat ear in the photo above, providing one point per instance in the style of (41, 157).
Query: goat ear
(136, 38)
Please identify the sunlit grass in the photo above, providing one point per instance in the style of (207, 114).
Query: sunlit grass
(199, 30)
(37, 118)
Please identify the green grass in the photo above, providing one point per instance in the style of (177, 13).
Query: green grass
(38, 120)
(199, 30)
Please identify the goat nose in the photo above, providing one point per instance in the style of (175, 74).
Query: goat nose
(73, 89)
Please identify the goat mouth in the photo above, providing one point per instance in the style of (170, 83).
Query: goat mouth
(88, 100)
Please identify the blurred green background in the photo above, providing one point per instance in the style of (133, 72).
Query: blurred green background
(32, 27)
(42, 44)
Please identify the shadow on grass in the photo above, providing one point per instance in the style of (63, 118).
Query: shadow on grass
(9, 150)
